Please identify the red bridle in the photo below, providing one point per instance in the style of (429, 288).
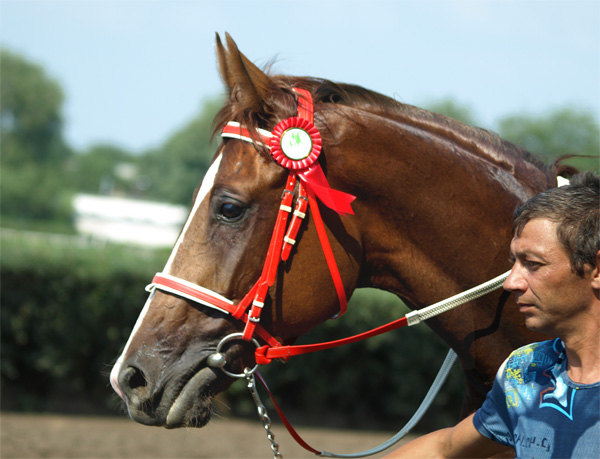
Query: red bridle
(295, 144)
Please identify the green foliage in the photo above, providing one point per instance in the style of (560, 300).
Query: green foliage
(67, 310)
(33, 193)
(561, 132)
(97, 170)
(35, 181)
(176, 169)
(30, 112)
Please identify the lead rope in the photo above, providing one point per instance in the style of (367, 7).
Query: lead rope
(416, 417)
(440, 378)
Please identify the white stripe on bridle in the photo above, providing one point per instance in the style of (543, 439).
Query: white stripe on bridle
(263, 133)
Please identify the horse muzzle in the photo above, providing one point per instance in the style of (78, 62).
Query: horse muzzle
(181, 400)
(177, 391)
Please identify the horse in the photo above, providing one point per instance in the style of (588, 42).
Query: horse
(411, 202)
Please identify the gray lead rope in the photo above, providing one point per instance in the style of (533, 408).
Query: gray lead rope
(414, 318)
(431, 394)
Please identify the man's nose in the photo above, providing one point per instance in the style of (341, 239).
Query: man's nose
(515, 281)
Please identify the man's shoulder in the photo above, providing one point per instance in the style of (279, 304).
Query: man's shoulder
(552, 348)
(532, 358)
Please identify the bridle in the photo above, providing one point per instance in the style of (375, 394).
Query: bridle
(295, 144)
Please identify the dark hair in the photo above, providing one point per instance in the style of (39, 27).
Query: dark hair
(576, 209)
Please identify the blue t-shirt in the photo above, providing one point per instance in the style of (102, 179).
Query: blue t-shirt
(535, 408)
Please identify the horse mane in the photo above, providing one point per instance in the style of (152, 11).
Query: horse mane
(487, 143)
(282, 104)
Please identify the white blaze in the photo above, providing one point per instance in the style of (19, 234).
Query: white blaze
(207, 185)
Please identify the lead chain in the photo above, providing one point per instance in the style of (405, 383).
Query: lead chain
(262, 412)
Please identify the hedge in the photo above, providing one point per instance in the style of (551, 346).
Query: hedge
(68, 307)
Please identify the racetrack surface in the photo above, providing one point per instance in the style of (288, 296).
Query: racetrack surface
(58, 436)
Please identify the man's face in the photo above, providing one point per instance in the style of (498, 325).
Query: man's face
(553, 298)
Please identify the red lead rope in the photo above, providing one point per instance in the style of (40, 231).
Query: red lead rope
(265, 354)
(288, 425)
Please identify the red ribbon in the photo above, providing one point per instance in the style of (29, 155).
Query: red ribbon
(313, 176)
(315, 180)
(308, 169)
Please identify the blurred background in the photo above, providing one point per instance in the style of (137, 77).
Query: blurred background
(106, 112)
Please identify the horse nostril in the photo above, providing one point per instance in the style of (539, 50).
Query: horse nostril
(137, 380)
(133, 382)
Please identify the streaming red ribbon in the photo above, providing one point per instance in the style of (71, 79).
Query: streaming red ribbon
(315, 181)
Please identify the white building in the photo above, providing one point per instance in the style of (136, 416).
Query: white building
(128, 221)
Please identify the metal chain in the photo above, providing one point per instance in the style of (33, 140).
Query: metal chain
(262, 412)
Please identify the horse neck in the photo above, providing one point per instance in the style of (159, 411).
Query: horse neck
(436, 201)
(434, 218)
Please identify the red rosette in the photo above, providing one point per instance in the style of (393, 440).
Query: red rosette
(295, 143)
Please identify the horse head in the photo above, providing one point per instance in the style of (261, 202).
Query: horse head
(163, 374)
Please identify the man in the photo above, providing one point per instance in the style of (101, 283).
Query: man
(545, 401)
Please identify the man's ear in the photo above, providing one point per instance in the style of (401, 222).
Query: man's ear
(596, 273)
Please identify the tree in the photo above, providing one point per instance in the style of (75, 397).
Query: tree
(564, 131)
(175, 170)
(103, 169)
(34, 154)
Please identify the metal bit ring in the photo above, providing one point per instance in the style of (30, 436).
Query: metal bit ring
(219, 360)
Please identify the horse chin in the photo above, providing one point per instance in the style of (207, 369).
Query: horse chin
(191, 408)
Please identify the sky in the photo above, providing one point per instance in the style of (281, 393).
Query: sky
(135, 71)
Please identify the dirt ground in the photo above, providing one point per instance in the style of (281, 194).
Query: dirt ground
(57, 436)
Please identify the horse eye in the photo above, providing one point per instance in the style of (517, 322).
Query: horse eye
(230, 212)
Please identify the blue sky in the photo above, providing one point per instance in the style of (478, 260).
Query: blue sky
(133, 71)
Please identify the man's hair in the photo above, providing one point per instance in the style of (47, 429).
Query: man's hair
(576, 209)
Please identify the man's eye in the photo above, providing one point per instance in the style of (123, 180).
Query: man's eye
(533, 265)
(230, 212)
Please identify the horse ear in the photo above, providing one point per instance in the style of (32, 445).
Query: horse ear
(237, 70)
(222, 60)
